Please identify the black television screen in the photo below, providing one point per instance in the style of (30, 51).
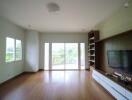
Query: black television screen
(120, 59)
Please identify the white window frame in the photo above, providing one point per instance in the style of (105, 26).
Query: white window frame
(6, 51)
(20, 50)
(14, 48)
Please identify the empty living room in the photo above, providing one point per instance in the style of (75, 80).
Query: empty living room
(65, 49)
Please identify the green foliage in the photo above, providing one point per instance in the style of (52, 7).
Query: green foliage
(58, 56)
(9, 57)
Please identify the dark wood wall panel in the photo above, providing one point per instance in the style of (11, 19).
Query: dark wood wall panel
(119, 42)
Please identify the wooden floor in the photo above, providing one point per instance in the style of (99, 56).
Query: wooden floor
(54, 85)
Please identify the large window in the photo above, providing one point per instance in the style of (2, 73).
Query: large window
(18, 50)
(10, 49)
(13, 50)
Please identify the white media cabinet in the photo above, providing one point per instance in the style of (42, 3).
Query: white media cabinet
(119, 92)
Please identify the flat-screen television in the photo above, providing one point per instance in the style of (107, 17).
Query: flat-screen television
(120, 59)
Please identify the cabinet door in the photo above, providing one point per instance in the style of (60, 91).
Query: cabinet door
(128, 94)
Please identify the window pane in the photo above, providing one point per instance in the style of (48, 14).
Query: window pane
(82, 48)
(18, 50)
(46, 65)
(57, 56)
(10, 49)
(71, 53)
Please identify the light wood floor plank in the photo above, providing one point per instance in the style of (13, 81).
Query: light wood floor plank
(53, 85)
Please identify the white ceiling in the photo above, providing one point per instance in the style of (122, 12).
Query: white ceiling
(74, 15)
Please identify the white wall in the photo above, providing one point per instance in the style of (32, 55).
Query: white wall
(119, 22)
(61, 38)
(9, 70)
(32, 51)
(33, 47)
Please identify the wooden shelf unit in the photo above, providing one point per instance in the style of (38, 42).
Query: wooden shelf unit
(93, 36)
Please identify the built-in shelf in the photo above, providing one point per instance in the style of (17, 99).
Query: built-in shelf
(116, 87)
(92, 49)
(92, 37)
(92, 44)
(92, 61)
(93, 55)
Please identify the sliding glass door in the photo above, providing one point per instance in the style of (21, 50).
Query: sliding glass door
(58, 56)
(71, 56)
(64, 56)
(46, 56)
(82, 55)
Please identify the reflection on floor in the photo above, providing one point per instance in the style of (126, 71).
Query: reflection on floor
(67, 66)
(53, 85)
